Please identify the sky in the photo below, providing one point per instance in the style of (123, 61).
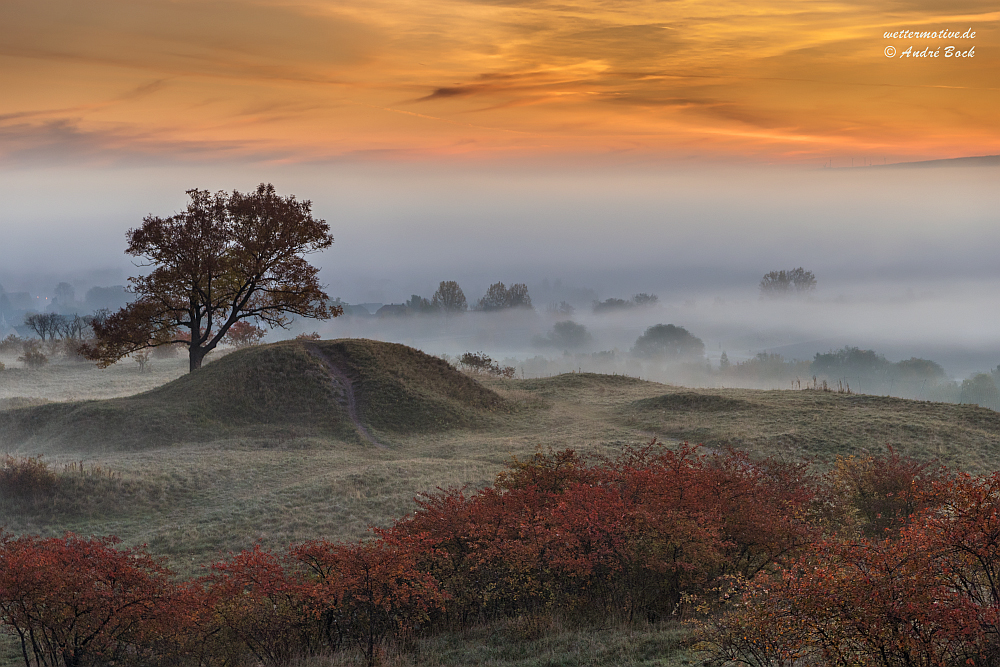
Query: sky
(678, 147)
(773, 82)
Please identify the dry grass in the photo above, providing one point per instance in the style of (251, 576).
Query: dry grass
(62, 380)
(537, 642)
(820, 425)
(192, 501)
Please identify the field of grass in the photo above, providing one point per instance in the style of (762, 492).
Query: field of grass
(260, 447)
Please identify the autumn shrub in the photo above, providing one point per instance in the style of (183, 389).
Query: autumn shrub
(366, 592)
(259, 610)
(25, 477)
(318, 597)
(77, 602)
(860, 602)
(243, 334)
(636, 534)
(925, 594)
(877, 495)
(479, 362)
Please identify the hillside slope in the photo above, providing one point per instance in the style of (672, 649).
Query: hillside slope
(817, 424)
(339, 389)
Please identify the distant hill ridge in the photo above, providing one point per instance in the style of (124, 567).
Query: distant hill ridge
(973, 161)
(351, 389)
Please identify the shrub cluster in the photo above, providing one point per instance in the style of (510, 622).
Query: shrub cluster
(33, 356)
(10, 344)
(923, 591)
(638, 533)
(884, 560)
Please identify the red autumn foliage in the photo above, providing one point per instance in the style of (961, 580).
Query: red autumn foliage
(926, 594)
(911, 579)
(259, 607)
(75, 602)
(634, 534)
(243, 334)
(877, 495)
(364, 592)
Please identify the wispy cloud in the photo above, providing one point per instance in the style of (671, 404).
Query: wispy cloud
(318, 81)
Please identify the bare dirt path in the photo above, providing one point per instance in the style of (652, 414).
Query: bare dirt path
(349, 402)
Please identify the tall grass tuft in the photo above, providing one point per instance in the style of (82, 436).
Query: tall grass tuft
(25, 477)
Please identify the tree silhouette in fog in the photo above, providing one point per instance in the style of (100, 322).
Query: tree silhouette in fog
(667, 341)
(499, 297)
(449, 297)
(783, 283)
(227, 258)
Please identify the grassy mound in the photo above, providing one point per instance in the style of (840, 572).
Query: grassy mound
(816, 424)
(280, 390)
(692, 401)
(402, 390)
(559, 384)
(20, 402)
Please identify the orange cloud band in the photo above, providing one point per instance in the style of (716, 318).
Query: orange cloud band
(779, 81)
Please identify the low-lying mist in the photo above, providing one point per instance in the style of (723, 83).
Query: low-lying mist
(954, 327)
(904, 259)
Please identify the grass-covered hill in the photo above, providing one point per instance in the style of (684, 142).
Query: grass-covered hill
(339, 389)
(260, 445)
(402, 390)
(821, 425)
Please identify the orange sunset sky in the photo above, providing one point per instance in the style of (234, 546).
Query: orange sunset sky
(775, 82)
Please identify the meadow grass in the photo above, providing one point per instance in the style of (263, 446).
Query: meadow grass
(538, 641)
(258, 470)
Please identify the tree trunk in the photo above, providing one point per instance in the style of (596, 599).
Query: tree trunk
(195, 355)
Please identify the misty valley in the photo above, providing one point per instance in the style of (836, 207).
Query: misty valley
(342, 496)
(493, 333)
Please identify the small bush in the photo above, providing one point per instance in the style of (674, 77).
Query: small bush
(244, 334)
(141, 358)
(479, 362)
(25, 477)
(33, 356)
(10, 344)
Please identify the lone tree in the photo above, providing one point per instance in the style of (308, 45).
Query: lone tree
(781, 283)
(449, 297)
(499, 297)
(227, 258)
(243, 334)
(667, 341)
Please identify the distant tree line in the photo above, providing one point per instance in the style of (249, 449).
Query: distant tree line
(865, 371)
(14, 306)
(612, 304)
(450, 299)
(784, 283)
